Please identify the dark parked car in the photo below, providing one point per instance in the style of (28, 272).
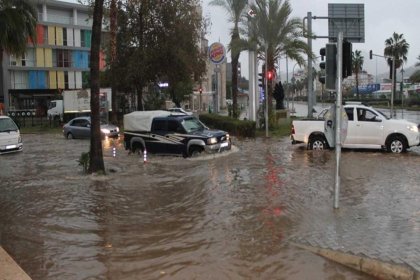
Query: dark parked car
(80, 128)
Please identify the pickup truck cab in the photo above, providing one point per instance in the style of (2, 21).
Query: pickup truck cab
(367, 128)
(163, 132)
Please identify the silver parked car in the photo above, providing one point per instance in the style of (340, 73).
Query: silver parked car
(80, 128)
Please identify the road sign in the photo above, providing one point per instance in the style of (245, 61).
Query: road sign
(349, 19)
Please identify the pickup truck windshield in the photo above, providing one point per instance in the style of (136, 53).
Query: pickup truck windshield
(7, 125)
(192, 124)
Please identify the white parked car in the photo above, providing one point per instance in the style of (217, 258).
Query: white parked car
(10, 139)
(367, 128)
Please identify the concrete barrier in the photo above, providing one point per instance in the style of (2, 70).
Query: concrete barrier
(376, 268)
(9, 269)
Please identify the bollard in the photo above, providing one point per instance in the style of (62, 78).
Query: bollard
(144, 155)
(114, 151)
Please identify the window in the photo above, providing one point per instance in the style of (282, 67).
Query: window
(349, 112)
(173, 126)
(63, 58)
(45, 35)
(66, 80)
(159, 125)
(64, 36)
(365, 115)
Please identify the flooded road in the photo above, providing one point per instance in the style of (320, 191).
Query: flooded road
(226, 217)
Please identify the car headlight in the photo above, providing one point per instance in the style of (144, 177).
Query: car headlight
(20, 139)
(413, 128)
(212, 140)
(118, 129)
(227, 137)
(105, 131)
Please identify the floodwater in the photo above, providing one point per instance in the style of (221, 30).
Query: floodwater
(225, 217)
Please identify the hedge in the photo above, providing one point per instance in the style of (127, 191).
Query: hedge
(239, 128)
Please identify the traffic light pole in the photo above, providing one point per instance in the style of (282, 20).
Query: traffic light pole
(338, 108)
(310, 80)
(266, 92)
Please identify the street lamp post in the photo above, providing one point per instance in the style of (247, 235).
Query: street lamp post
(294, 87)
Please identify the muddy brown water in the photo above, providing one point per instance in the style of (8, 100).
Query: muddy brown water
(224, 217)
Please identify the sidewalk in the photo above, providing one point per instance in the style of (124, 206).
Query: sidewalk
(9, 269)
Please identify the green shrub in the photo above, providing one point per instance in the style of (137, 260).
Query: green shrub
(84, 161)
(239, 128)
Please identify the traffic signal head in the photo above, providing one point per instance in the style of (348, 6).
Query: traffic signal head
(329, 67)
(322, 52)
(261, 79)
(270, 75)
(347, 59)
(370, 54)
(200, 90)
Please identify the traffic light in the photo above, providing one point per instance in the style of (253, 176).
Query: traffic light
(261, 79)
(200, 90)
(347, 59)
(321, 78)
(370, 54)
(329, 66)
(270, 75)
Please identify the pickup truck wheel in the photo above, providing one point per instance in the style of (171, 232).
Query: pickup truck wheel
(195, 151)
(396, 145)
(317, 143)
(70, 136)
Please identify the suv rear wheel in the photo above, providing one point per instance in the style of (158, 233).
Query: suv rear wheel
(317, 142)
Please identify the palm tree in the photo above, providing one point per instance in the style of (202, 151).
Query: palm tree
(235, 9)
(18, 19)
(418, 63)
(96, 160)
(396, 47)
(278, 34)
(357, 65)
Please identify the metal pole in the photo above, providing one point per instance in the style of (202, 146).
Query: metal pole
(393, 88)
(338, 108)
(266, 92)
(287, 82)
(310, 84)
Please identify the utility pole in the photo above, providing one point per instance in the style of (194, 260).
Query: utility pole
(310, 82)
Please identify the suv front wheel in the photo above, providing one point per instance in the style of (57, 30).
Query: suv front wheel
(195, 151)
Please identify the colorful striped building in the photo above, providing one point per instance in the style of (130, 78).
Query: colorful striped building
(58, 60)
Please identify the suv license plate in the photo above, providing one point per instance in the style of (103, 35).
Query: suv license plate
(225, 144)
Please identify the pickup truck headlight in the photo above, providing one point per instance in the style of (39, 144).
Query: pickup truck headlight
(413, 128)
(212, 141)
(227, 136)
(105, 131)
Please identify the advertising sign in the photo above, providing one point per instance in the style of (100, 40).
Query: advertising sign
(217, 53)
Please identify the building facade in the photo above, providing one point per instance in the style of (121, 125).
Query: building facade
(58, 60)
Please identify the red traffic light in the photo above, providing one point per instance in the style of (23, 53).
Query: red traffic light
(270, 75)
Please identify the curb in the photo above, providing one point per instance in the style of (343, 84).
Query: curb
(375, 268)
(10, 270)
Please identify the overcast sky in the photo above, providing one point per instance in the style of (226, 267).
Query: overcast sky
(382, 19)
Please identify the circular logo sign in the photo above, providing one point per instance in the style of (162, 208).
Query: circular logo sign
(217, 53)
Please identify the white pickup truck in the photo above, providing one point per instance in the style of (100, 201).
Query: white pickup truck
(367, 128)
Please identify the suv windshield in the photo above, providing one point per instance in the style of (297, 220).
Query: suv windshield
(192, 124)
(7, 125)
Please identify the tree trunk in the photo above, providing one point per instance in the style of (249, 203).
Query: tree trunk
(113, 52)
(96, 161)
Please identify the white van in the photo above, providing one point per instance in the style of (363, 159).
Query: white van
(10, 139)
